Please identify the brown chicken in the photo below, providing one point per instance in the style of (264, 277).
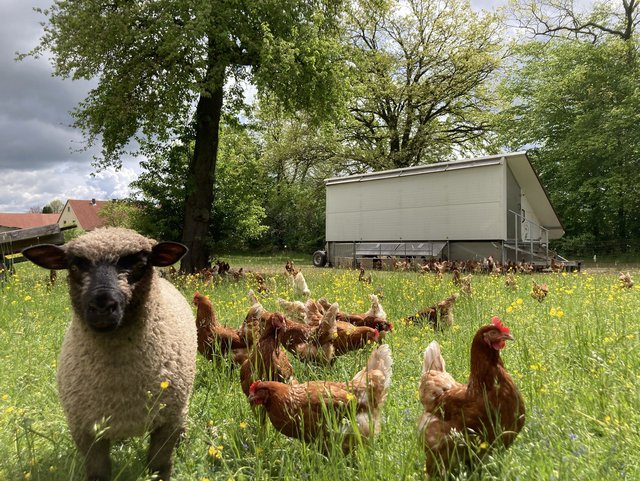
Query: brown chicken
(486, 412)
(351, 338)
(510, 281)
(312, 343)
(311, 410)
(266, 360)
(439, 315)
(215, 340)
(626, 280)
(375, 317)
(250, 328)
(539, 291)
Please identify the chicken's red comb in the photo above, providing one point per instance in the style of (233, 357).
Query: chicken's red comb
(253, 387)
(496, 321)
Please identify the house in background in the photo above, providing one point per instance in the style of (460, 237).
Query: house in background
(14, 221)
(82, 214)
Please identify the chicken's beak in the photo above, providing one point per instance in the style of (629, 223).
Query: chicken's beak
(508, 337)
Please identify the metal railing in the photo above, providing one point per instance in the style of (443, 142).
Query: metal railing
(542, 240)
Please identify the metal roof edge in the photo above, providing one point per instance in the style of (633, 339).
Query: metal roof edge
(424, 169)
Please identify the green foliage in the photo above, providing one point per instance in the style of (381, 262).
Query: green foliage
(573, 101)
(421, 80)
(574, 359)
(237, 210)
(120, 213)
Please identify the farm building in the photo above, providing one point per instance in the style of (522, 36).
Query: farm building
(460, 210)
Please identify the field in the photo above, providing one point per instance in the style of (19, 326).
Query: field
(575, 359)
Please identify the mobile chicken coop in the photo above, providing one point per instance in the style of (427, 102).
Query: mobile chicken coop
(460, 210)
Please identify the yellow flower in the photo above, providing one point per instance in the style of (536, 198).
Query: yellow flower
(509, 309)
(205, 479)
(607, 419)
(27, 298)
(350, 397)
(552, 312)
(519, 300)
(215, 452)
(559, 313)
(5, 397)
(243, 425)
(164, 384)
(484, 445)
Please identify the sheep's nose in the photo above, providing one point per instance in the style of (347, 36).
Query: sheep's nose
(103, 303)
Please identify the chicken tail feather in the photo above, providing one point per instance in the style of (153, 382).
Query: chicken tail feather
(433, 360)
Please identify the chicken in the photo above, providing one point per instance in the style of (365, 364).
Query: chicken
(351, 338)
(364, 278)
(438, 315)
(486, 412)
(300, 287)
(296, 309)
(511, 282)
(312, 343)
(626, 280)
(300, 410)
(556, 266)
(290, 269)
(375, 317)
(267, 360)
(539, 291)
(250, 329)
(213, 338)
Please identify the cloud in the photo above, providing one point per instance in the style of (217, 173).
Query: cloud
(41, 156)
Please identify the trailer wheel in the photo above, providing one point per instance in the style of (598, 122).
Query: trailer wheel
(319, 258)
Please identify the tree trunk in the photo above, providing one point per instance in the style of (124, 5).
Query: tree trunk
(202, 175)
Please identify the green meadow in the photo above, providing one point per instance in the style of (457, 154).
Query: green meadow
(576, 361)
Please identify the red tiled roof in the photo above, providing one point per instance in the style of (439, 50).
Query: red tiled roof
(87, 212)
(24, 221)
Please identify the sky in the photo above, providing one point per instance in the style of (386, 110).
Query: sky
(41, 156)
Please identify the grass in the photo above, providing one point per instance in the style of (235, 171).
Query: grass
(575, 361)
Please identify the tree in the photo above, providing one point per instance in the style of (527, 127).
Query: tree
(422, 70)
(161, 65)
(574, 100)
(120, 213)
(53, 207)
(237, 210)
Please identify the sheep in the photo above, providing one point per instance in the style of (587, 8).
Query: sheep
(127, 362)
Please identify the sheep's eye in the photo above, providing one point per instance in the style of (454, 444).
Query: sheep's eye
(132, 262)
(134, 266)
(79, 264)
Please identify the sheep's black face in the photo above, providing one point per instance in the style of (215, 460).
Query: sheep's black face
(105, 288)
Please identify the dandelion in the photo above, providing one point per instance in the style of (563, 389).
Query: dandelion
(243, 425)
(27, 298)
(215, 452)
(559, 313)
(350, 397)
(164, 385)
(509, 309)
(484, 445)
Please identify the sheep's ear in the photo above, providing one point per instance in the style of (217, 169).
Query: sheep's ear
(165, 254)
(48, 256)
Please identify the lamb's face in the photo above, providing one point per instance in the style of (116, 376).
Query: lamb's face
(102, 290)
(110, 272)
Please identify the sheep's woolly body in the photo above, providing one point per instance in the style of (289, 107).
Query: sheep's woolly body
(114, 378)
